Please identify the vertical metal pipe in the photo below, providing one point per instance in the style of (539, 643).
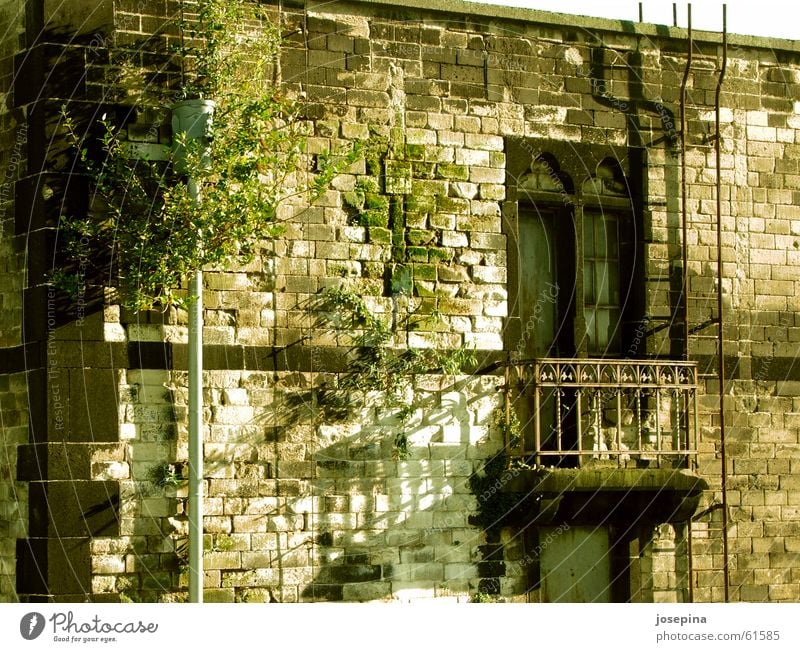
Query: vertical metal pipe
(641, 12)
(507, 409)
(658, 420)
(537, 423)
(690, 567)
(721, 334)
(191, 119)
(196, 438)
(684, 211)
(685, 252)
(619, 425)
(579, 420)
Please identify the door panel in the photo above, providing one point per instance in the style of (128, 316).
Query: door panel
(575, 564)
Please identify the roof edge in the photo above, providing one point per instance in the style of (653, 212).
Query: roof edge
(554, 19)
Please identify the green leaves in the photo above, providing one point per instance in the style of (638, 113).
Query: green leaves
(376, 366)
(143, 224)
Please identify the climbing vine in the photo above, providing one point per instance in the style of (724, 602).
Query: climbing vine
(377, 367)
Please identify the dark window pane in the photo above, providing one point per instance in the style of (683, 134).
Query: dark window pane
(588, 235)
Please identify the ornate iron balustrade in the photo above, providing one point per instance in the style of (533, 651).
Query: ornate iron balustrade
(575, 412)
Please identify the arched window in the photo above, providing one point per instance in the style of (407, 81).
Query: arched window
(575, 255)
(605, 213)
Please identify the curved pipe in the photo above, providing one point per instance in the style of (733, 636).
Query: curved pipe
(720, 339)
(685, 252)
(685, 217)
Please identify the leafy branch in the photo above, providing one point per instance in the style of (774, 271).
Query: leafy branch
(375, 366)
(144, 225)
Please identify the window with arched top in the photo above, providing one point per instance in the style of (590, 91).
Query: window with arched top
(605, 208)
(573, 251)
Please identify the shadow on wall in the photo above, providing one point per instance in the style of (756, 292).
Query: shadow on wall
(394, 498)
(300, 507)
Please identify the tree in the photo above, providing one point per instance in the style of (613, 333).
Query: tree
(143, 221)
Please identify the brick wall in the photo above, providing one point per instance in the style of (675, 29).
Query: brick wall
(13, 391)
(301, 507)
(13, 494)
(297, 508)
(13, 156)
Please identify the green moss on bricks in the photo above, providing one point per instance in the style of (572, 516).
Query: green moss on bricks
(379, 235)
(452, 171)
(375, 200)
(417, 254)
(439, 255)
(420, 237)
(401, 279)
(370, 207)
(374, 165)
(398, 168)
(421, 204)
(497, 159)
(421, 289)
(454, 205)
(424, 272)
(354, 199)
(397, 185)
(416, 220)
(398, 225)
(428, 306)
(428, 187)
(415, 152)
(398, 177)
(376, 217)
(397, 137)
(425, 170)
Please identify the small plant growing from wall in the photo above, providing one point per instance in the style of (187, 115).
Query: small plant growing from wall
(166, 475)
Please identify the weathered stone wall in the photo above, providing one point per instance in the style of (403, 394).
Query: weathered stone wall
(13, 156)
(300, 507)
(13, 494)
(13, 389)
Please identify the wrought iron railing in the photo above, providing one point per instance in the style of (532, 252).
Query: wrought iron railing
(573, 412)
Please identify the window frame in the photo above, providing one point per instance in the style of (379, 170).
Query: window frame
(577, 158)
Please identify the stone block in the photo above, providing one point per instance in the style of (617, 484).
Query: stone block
(93, 405)
(74, 508)
(473, 157)
(366, 591)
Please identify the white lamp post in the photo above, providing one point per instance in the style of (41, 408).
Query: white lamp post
(193, 118)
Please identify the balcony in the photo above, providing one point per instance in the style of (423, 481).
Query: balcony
(602, 412)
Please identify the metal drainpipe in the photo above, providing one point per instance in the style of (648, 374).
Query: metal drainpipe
(720, 340)
(193, 118)
(685, 280)
(685, 217)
